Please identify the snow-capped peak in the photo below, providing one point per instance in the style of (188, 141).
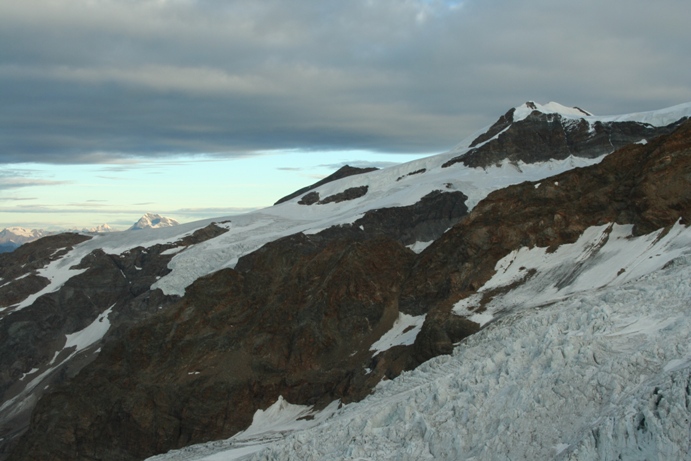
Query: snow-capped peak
(20, 235)
(22, 231)
(153, 221)
(551, 107)
(99, 229)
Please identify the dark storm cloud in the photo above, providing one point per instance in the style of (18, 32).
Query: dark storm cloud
(97, 81)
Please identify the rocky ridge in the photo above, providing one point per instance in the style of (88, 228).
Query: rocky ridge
(298, 316)
(537, 136)
(342, 172)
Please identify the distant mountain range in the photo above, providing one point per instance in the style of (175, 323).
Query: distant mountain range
(13, 237)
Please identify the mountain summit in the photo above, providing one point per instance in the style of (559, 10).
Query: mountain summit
(14, 237)
(453, 307)
(153, 221)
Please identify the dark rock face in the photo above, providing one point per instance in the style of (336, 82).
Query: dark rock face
(422, 222)
(30, 337)
(309, 198)
(648, 186)
(297, 317)
(351, 193)
(18, 270)
(540, 137)
(412, 173)
(500, 125)
(342, 172)
(285, 323)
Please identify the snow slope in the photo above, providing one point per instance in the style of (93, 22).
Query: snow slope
(603, 256)
(595, 374)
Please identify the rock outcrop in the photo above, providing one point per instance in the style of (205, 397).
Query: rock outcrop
(646, 185)
(542, 136)
(32, 338)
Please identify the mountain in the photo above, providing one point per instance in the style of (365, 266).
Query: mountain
(447, 308)
(13, 237)
(153, 221)
(101, 229)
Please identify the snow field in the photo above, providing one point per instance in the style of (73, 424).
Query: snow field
(603, 255)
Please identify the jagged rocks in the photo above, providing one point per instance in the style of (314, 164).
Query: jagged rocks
(422, 222)
(544, 136)
(309, 198)
(351, 193)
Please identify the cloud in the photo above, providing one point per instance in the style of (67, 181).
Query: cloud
(15, 183)
(117, 81)
(18, 199)
(211, 211)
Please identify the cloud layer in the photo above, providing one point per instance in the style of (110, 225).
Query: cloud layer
(94, 81)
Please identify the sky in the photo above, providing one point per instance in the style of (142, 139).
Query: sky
(198, 108)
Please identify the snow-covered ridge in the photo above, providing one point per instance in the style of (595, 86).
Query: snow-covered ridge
(21, 231)
(389, 187)
(20, 235)
(525, 109)
(661, 117)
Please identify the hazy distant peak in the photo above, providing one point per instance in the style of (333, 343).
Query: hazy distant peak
(99, 229)
(153, 221)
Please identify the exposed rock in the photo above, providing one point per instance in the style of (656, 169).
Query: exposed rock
(309, 199)
(543, 136)
(19, 269)
(349, 194)
(422, 222)
(412, 173)
(500, 125)
(342, 172)
(30, 338)
(296, 319)
(648, 186)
